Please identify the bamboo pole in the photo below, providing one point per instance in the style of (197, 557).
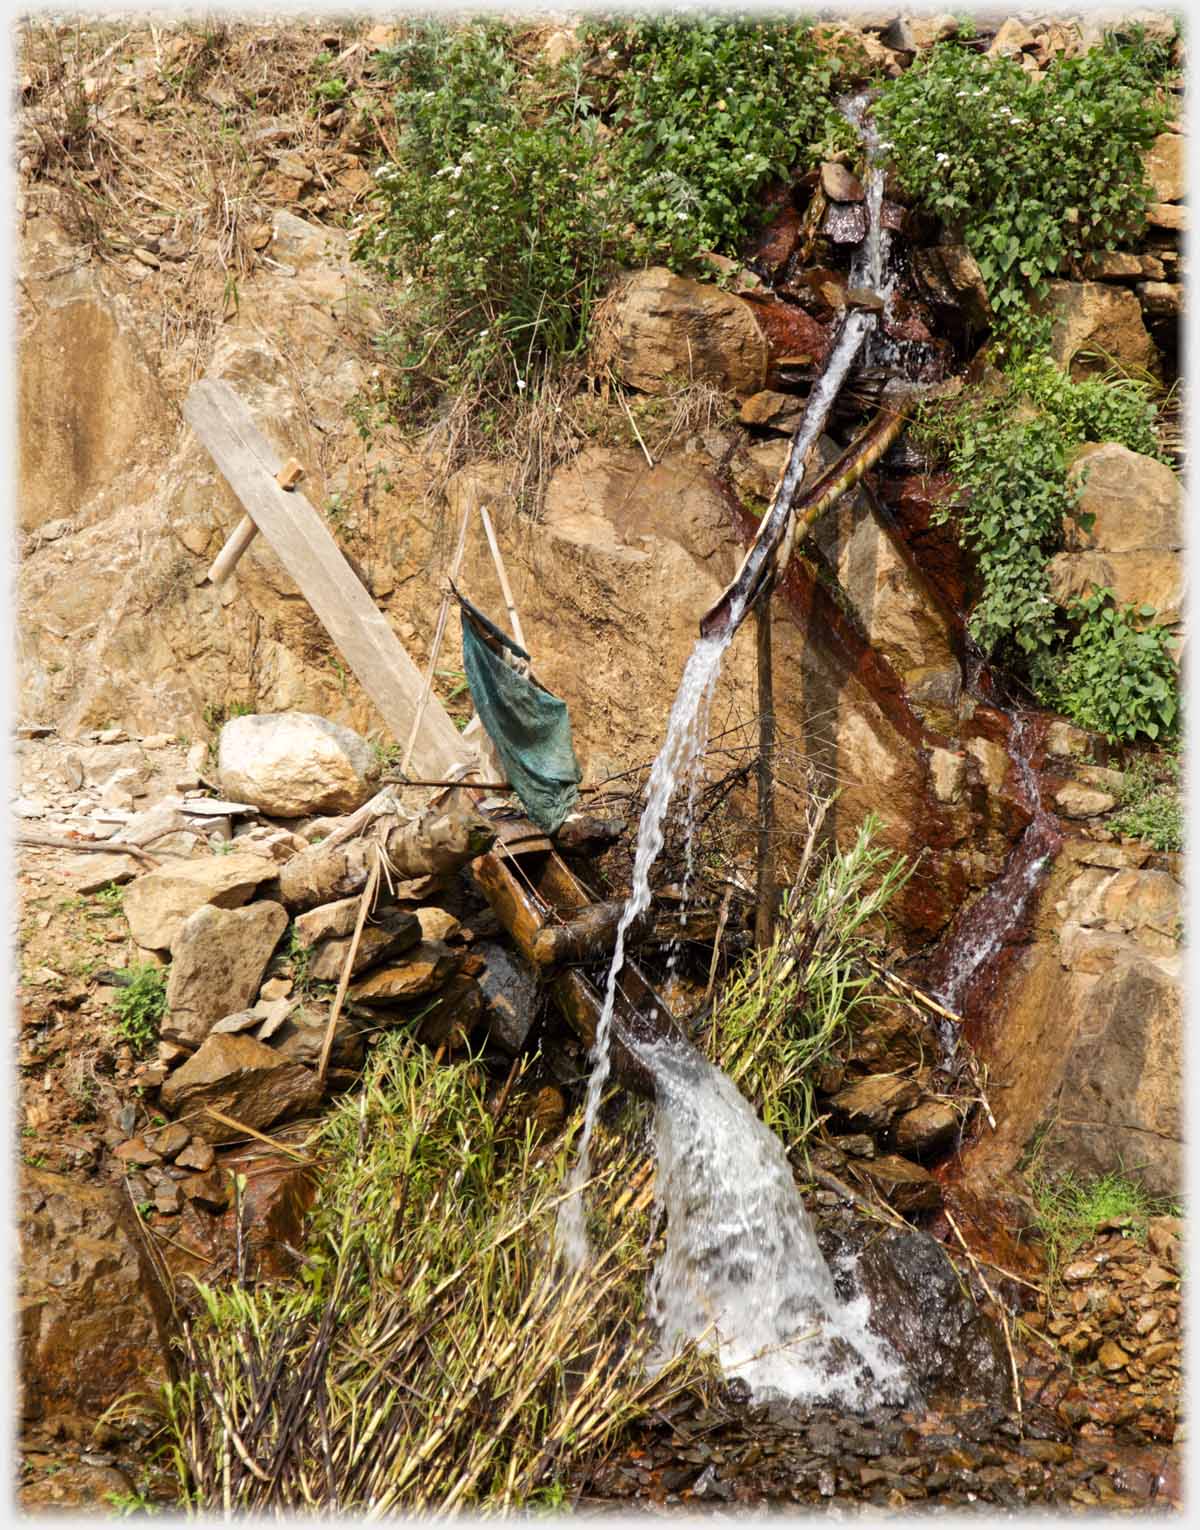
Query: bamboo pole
(501, 573)
(764, 899)
(335, 1009)
(861, 455)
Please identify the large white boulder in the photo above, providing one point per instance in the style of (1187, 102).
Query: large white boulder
(291, 764)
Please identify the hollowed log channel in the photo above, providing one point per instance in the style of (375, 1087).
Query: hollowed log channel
(550, 917)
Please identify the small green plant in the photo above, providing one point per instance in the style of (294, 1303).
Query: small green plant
(1117, 675)
(1071, 1210)
(1151, 809)
(330, 89)
(784, 1011)
(136, 1501)
(299, 955)
(1033, 172)
(111, 900)
(140, 1004)
(1009, 452)
(387, 756)
(217, 713)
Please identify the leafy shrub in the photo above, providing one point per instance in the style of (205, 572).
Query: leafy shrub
(1151, 808)
(1117, 676)
(140, 1004)
(509, 200)
(1009, 453)
(707, 111)
(1033, 171)
(496, 213)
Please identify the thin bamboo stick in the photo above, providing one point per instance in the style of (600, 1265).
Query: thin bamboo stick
(502, 575)
(368, 897)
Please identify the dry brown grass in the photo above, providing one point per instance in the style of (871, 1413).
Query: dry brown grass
(167, 147)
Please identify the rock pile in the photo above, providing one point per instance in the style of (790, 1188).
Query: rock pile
(246, 1013)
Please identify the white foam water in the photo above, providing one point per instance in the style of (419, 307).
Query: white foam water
(687, 734)
(741, 1272)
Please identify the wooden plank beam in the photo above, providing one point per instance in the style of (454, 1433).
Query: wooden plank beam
(310, 555)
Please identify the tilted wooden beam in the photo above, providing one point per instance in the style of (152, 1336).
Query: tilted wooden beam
(310, 555)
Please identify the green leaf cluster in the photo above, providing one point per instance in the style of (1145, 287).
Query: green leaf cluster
(710, 110)
(1031, 171)
(1151, 808)
(140, 1004)
(1117, 675)
(1009, 450)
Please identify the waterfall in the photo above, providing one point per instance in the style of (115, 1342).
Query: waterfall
(741, 1269)
(978, 936)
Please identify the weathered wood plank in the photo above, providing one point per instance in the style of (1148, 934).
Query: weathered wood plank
(312, 558)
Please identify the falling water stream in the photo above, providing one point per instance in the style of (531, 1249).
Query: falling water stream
(978, 936)
(741, 1270)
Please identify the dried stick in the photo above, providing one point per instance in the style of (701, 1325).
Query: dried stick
(722, 916)
(105, 846)
(765, 892)
(999, 1306)
(632, 422)
(368, 897)
(502, 575)
(251, 1131)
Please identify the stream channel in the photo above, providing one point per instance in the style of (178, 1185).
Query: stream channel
(852, 1371)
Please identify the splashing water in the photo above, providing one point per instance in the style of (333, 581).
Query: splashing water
(687, 733)
(742, 1271)
(871, 258)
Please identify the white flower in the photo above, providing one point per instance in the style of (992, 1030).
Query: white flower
(942, 158)
(456, 172)
(436, 237)
(520, 384)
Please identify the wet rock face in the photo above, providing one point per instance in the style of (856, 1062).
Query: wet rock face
(918, 1305)
(1092, 1037)
(91, 1316)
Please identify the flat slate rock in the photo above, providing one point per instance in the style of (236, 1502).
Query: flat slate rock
(242, 1078)
(157, 904)
(430, 965)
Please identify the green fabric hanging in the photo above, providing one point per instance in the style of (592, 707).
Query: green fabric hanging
(529, 727)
